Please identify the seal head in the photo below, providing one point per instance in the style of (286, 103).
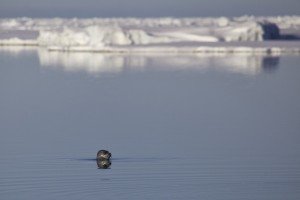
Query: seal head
(103, 155)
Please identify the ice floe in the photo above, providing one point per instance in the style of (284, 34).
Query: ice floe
(154, 34)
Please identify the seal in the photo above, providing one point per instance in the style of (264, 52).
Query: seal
(103, 155)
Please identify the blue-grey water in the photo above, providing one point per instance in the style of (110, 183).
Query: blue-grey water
(178, 126)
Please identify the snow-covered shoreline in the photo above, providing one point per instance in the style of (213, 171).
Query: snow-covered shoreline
(241, 34)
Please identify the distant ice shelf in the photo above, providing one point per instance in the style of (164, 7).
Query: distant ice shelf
(239, 34)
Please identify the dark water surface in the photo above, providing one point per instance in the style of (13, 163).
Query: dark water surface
(178, 126)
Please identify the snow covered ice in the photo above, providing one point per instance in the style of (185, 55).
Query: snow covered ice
(240, 34)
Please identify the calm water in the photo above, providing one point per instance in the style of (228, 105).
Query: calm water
(178, 126)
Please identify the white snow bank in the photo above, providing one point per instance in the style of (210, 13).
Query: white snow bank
(97, 36)
(125, 34)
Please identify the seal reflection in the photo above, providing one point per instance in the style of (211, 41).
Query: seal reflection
(103, 164)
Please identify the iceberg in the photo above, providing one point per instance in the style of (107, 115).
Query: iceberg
(239, 34)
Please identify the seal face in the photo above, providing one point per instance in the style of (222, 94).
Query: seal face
(103, 155)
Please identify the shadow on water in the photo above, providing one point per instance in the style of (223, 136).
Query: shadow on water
(270, 63)
(106, 164)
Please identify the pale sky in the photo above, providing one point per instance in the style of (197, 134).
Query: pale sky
(146, 8)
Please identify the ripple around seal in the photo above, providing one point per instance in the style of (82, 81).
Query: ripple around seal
(149, 178)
